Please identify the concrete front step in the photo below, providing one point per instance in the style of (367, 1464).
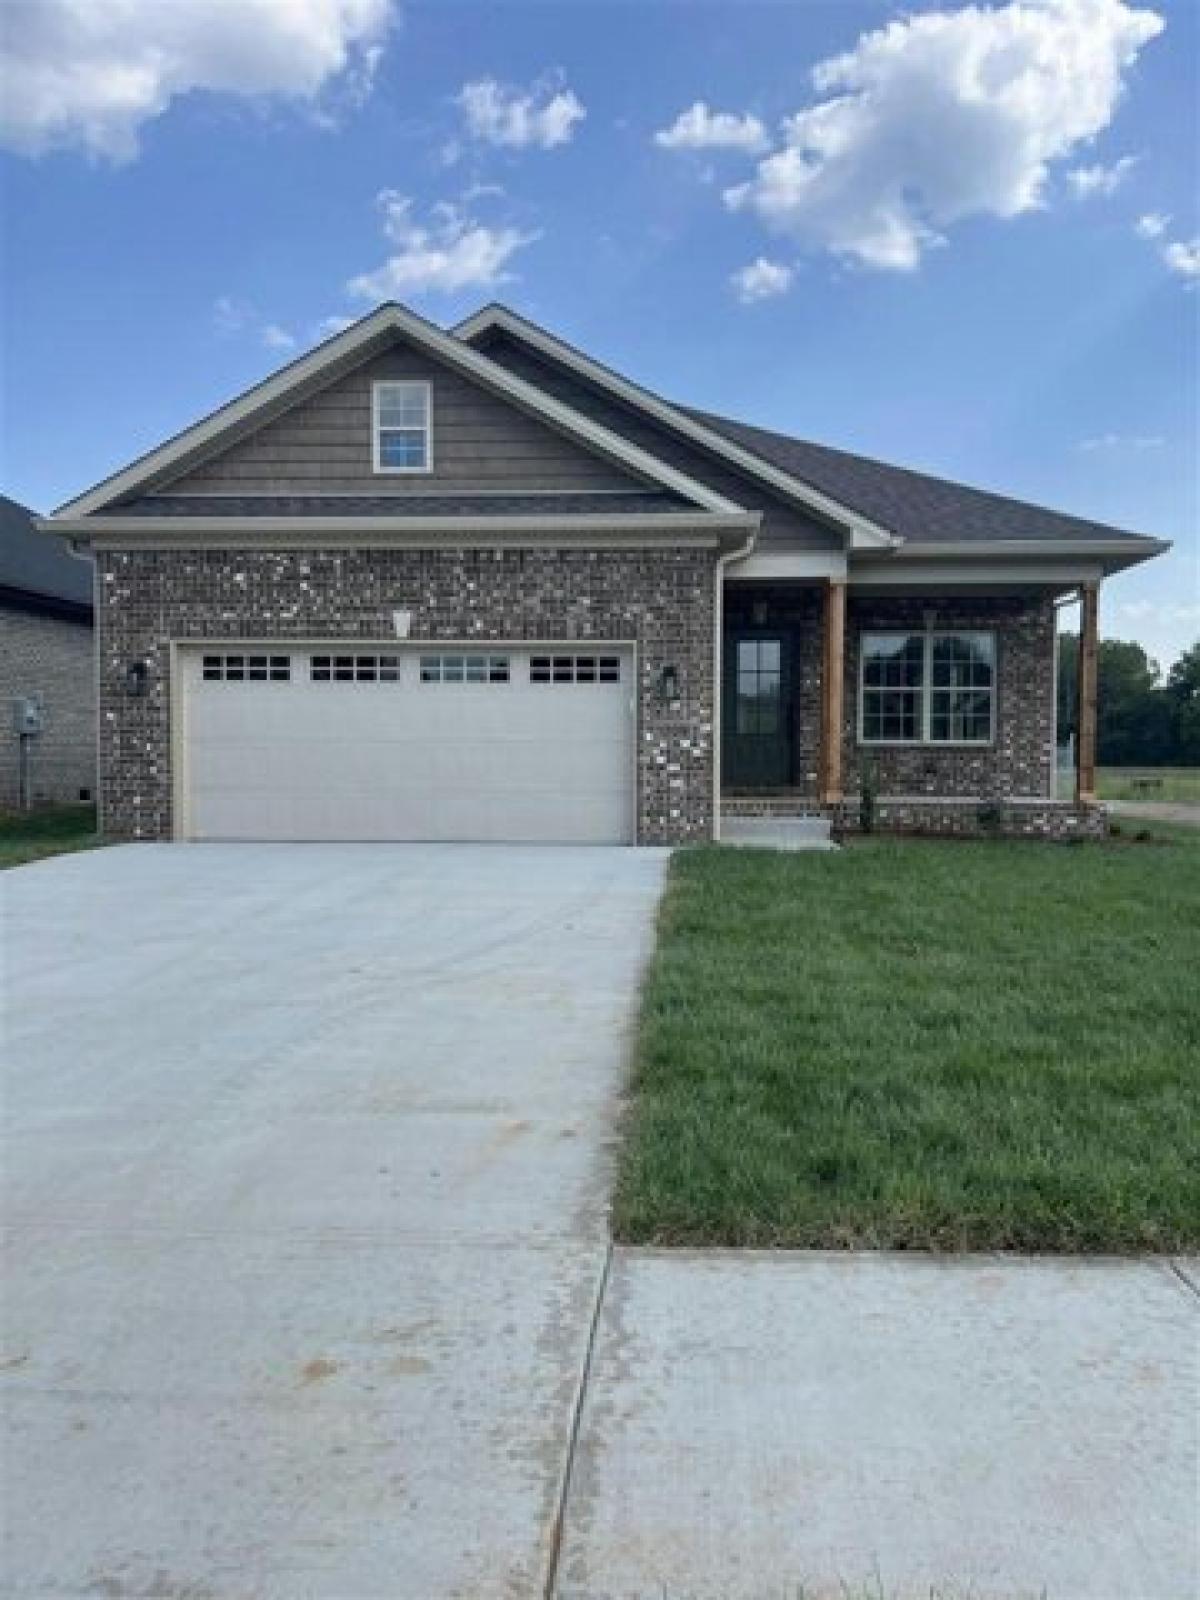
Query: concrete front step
(777, 833)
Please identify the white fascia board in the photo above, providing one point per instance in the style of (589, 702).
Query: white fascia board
(1020, 560)
(1137, 545)
(390, 319)
(673, 527)
(864, 533)
(971, 574)
(816, 564)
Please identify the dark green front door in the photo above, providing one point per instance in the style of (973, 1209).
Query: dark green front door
(757, 751)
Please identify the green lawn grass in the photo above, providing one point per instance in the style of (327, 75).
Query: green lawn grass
(1177, 785)
(922, 1044)
(34, 835)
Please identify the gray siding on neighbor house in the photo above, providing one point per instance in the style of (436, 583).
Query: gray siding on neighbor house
(49, 659)
(783, 524)
(480, 441)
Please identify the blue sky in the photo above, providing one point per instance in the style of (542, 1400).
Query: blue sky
(969, 246)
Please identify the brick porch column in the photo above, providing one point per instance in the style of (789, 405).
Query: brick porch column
(832, 690)
(1085, 722)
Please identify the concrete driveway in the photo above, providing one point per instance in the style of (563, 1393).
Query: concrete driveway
(305, 1174)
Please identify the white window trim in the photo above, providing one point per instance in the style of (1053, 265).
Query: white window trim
(377, 464)
(926, 690)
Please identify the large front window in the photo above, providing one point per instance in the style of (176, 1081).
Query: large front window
(927, 688)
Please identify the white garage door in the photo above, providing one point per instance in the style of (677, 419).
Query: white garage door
(408, 742)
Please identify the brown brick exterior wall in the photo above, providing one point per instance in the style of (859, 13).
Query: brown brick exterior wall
(51, 660)
(1059, 822)
(661, 599)
(1020, 762)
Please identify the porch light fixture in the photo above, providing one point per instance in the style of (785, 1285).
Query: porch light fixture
(137, 679)
(668, 683)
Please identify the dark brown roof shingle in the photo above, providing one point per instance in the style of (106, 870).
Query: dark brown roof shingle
(919, 508)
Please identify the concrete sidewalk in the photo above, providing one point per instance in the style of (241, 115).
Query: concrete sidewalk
(879, 1427)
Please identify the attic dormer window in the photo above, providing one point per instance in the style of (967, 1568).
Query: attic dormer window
(401, 426)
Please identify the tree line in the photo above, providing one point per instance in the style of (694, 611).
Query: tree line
(1142, 720)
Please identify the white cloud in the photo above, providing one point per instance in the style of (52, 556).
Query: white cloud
(90, 72)
(761, 280)
(1123, 441)
(1140, 610)
(230, 315)
(1164, 627)
(277, 338)
(451, 251)
(1101, 180)
(1183, 257)
(698, 128)
(541, 116)
(328, 326)
(1152, 226)
(942, 116)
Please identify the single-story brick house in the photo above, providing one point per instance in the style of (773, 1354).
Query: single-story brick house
(47, 666)
(472, 584)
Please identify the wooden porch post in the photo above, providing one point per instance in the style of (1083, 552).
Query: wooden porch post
(1085, 726)
(832, 675)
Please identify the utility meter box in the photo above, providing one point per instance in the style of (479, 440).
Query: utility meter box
(27, 717)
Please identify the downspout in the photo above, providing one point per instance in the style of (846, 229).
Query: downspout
(1063, 601)
(736, 554)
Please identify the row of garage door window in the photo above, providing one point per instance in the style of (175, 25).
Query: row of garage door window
(434, 669)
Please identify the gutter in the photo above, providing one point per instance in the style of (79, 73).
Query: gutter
(244, 531)
(725, 559)
(1134, 543)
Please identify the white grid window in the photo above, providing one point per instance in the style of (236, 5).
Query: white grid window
(246, 669)
(355, 669)
(401, 426)
(575, 669)
(927, 688)
(464, 669)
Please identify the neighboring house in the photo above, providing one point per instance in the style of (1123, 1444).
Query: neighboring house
(473, 585)
(47, 656)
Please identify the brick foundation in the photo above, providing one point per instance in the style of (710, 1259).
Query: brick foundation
(961, 816)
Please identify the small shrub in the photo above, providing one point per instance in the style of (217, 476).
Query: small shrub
(990, 816)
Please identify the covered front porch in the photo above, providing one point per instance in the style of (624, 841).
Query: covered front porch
(927, 709)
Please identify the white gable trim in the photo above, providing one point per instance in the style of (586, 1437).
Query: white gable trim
(238, 415)
(863, 533)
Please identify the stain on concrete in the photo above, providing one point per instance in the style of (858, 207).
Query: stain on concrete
(409, 1366)
(317, 1371)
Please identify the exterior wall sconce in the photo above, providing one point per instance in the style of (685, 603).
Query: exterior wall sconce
(668, 683)
(137, 679)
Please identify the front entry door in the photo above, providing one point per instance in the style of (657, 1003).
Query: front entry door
(757, 712)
